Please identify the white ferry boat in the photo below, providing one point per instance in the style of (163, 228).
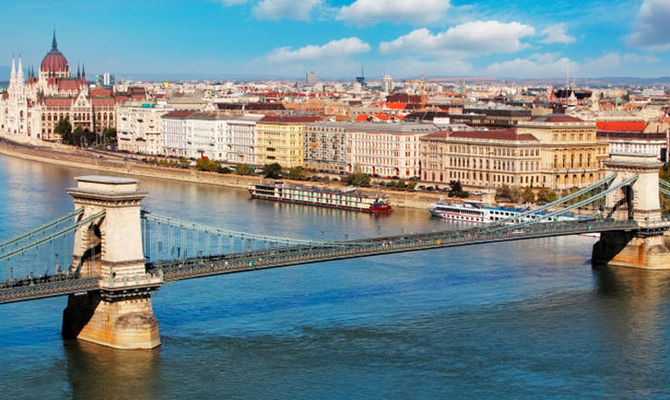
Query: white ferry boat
(477, 211)
(345, 199)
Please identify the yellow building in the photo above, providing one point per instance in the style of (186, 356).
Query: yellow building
(571, 154)
(281, 139)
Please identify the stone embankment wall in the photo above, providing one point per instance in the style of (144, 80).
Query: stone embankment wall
(70, 157)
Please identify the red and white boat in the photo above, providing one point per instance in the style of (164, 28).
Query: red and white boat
(344, 199)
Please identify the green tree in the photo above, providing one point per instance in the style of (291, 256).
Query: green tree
(90, 138)
(109, 135)
(78, 136)
(205, 164)
(528, 195)
(272, 170)
(244, 169)
(546, 196)
(455, 187)
(358, 179)
(64, 129)
(512, 194)
(297, 173)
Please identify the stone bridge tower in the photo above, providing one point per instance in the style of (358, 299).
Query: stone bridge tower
(644, 248)
(119, 315)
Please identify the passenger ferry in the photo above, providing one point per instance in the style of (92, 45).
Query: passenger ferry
(345, 199)
(477, 211)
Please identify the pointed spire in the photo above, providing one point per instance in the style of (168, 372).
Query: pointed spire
(54, 43)
(83, 73)
(78, 71)
(19, 71)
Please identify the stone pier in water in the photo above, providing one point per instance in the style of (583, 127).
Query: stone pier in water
(645, 248)
(119, 314)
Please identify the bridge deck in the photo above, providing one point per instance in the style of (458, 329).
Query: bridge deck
(294, 255)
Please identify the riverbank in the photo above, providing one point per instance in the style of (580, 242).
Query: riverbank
(78, 158)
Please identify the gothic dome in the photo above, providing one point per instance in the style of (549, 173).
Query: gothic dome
(55, 62)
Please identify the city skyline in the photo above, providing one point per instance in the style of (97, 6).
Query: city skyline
(284, 39)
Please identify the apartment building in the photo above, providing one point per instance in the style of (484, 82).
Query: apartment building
(139, 127)
(280, 139)
(386, 149)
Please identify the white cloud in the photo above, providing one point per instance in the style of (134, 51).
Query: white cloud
(285, 9)
(606, 64)
(630, 58)
(651, 28)
(334, 49)
(557, 34)
(468, 39)
(370, 12)
(547, 65)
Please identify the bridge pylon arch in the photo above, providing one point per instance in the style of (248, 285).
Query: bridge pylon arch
(644, 248)
(119, 314)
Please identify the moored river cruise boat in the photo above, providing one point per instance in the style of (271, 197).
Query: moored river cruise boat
(344, 199)
(476, 211)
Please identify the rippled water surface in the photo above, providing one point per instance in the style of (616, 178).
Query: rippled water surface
(526, 319)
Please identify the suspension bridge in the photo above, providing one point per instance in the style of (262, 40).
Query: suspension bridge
(109, 254)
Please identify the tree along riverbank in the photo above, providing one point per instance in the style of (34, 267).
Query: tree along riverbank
(78, 158)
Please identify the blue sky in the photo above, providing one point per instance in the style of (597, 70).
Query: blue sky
(285, 38)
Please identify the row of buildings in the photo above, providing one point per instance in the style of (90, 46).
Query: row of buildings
(484, 139)
(555, 151)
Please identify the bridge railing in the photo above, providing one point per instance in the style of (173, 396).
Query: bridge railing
(243, 261)
(44, 252)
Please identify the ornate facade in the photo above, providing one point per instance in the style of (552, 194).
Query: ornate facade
(33, 107)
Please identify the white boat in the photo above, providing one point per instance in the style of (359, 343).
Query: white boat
(479, 212)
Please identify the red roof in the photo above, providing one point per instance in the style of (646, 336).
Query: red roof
(495, 135)
(290, 119)
(54, 62)
(394, 105)
(59, 101)
(621, 126)
(178, 114)
(379, 116)
(69, 84)
(99, 91)
(103, 102)
(436, 135)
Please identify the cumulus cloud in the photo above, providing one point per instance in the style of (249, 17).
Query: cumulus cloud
(631, 58)
(334, 49)
(557, 34)
(468, 39)
(651, 28)
(285, 9)
(544, 65)
(370, 12)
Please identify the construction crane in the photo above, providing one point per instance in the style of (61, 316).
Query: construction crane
(423, 90)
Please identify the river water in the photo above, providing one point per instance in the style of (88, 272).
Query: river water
(526, 319)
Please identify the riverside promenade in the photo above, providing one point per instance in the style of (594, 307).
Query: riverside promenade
(52, 153)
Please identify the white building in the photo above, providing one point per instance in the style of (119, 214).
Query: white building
(213, 135)
(386, 149)
(241, 139)
(173, 133)
(387, 83)
(139, 127)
